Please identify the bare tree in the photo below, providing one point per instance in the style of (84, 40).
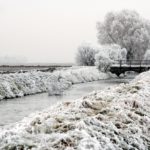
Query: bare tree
(127, 29)
(86, 55)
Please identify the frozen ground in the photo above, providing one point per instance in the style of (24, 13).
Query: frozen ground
(117, 118)
(20, 84)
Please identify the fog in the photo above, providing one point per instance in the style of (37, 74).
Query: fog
(51, 30)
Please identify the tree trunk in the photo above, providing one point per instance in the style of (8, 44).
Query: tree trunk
(129, 55)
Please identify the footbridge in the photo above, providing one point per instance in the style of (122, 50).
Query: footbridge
(121, 66)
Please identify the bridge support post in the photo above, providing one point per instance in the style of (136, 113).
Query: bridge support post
(140, 66)
(120, 66)
(130, 65)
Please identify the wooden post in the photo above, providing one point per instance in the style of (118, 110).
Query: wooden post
(120, 66)
(147, 62)
(140, 65)
(120, 63)
(130, 65)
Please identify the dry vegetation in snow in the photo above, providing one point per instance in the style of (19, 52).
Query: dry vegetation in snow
(114, 119)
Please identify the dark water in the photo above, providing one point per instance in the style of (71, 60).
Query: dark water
(13, 110)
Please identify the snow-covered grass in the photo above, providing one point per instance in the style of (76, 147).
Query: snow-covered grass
(117, 118)
(20, 84)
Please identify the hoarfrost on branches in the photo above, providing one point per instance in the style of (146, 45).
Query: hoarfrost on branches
(127, 29)
(147, 55)
(108, 54)
(86, 55)
(103, 62)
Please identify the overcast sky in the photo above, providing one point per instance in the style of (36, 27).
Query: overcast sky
(51, 30)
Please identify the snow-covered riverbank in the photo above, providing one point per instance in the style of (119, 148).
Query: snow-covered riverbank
(117, 118)
(20, 84)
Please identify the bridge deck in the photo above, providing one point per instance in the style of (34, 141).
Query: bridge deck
(121, 66)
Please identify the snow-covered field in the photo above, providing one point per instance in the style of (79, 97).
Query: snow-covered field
(117, 118)
(20, 84)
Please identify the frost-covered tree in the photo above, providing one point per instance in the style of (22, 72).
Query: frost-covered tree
(103, 62)
(147, 55)
(108, 54)
(86, 55)
(127, 29)
(146, 59)
(115, 52)
(123, 54)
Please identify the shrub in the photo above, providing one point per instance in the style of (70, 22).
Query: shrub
(108, 54)
(86, 55)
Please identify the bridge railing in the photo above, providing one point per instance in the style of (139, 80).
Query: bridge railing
(132, 62)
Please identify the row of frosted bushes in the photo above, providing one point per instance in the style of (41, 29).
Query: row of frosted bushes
(21, 84)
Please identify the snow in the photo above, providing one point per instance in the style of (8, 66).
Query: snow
(20, 84)
(108, 55)
(116, 118)
(123, 28)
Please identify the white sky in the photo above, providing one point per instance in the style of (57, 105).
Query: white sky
(51, 30)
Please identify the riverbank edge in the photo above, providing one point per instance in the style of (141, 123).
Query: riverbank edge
(23, 84)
